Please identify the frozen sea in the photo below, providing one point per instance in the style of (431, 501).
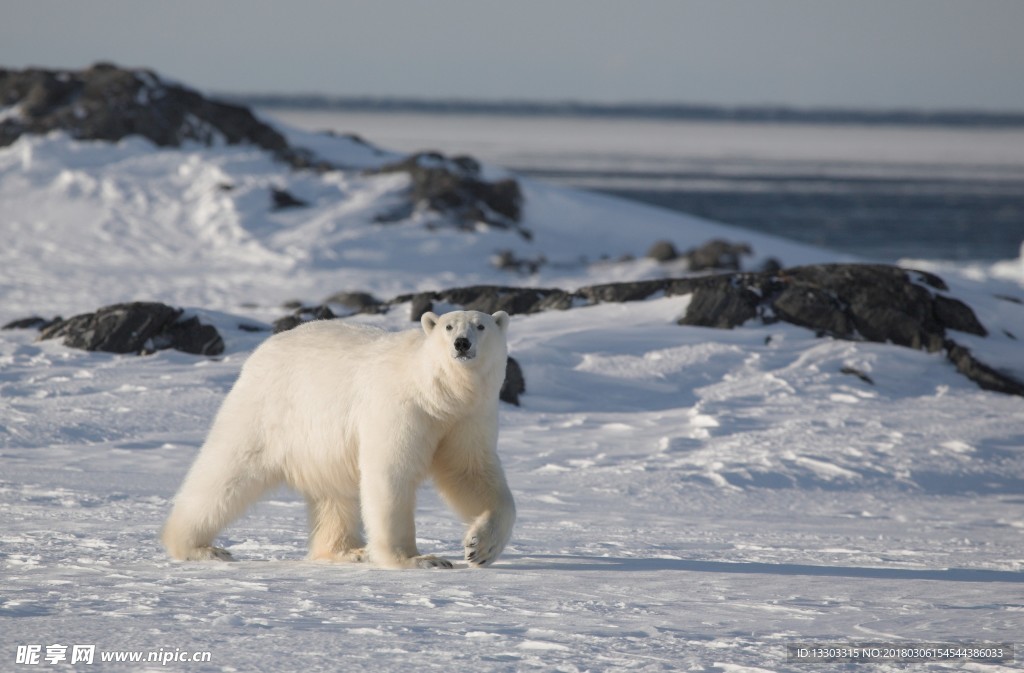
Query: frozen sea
(881, 192)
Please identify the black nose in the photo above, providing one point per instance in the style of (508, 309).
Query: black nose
(462, 344)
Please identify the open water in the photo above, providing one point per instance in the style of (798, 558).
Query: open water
(881, 191)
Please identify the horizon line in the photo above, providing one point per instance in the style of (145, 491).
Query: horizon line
(752, 113)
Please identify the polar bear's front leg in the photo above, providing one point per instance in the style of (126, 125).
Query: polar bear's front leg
(469, 476)
(389, 505)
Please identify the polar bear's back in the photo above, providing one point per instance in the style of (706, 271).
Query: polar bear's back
(329, 345)
(302, 390)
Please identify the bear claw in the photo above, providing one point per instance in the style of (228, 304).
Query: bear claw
(428, 562)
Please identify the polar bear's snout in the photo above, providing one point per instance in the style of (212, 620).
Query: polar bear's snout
(464, 348)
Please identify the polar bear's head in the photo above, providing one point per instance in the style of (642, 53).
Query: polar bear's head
(467, 336)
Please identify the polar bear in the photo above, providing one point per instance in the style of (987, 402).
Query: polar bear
(355, 418)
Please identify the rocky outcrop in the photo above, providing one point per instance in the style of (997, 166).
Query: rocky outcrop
(106, 102)
(859, 302)
(454, 189)
(847, 301)
(140, 327)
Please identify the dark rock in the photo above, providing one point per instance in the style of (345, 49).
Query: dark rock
(140, 327)
(321, 312)
(717, 255)
(956, 315)
(105, 102)
(714, 255)
(851, 301)
(121, 328)
(421, 304)
(490, 298)
(303, 314)
(848, 301)
(851, 371)
(814, 308)
(35, 322)
(280, 199)
(358, 302)
(286, 323)
(621, 292)
(881, 302)
(191, 336)
(663, 251)
(722, 304)
(507, 260)
(514, 384)
(455, 189)
(986, 377)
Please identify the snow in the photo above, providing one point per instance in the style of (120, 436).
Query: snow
(689, 499)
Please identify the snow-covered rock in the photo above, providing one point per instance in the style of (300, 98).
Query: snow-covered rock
(106, 102)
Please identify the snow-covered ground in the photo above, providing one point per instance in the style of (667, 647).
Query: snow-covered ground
(689, 499)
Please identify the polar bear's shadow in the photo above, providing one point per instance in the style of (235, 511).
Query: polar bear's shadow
(536, 562)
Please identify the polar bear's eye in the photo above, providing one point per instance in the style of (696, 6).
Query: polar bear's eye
(448, 327)
(480, 327)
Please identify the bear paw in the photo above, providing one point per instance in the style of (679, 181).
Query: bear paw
(209, 554)
(487, 537)
(427, 562)
(481, 550)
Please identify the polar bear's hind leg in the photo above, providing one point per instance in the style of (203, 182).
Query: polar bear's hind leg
(336, 530)
(215, 493)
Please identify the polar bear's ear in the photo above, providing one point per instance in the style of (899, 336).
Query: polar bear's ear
(429, 321)
(501, 320)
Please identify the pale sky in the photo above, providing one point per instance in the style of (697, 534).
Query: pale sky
(862, 53)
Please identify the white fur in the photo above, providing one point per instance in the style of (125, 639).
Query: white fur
(355, 418)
